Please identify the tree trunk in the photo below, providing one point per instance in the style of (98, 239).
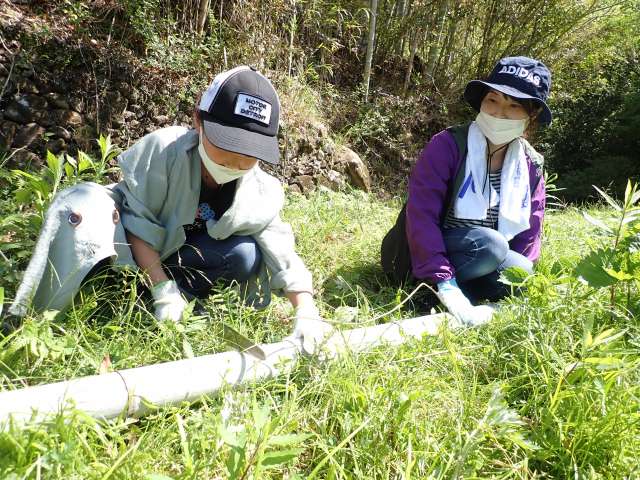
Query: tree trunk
(402, 13)
(292, 32)
(446, 53)
(486, 44)
(434, 49)
(370, 47)
(414, 47)
(203, 8)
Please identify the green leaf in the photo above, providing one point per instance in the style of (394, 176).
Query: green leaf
(50, 315)
(22, 195)
(1, 299)
(102, 142)
(107, 149)
(608, 199)
(630, 217)
(515, 276)
(607, 336)
(53, 162)
(620, 276)
(232, 438)
(156, 476)
(405, 402)
(591, 269)
(42, 187)
(524, 443)
(71, 161)
(187, 350)
(235, 462)
(628, 191)
(260, 416)
(335, 449)
(21, 174)
(278, 457)
(634, 198)
(68, 170)
(84, 162)
(597, 222)
(633, 211)
(609, 362)
(288, 439)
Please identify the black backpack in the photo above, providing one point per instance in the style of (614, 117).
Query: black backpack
(395, 255)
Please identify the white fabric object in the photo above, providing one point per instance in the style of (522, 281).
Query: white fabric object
(220, 173)
(500, 130)
(168, 301)
(310, 328)
(460, 307)
(515, 195)
(81, 228)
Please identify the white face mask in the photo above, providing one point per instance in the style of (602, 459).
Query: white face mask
(500, 130)
(220, 173)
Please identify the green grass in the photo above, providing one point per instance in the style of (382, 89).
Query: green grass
(535, 394)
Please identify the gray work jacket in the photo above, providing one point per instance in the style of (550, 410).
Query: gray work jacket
(160, 192)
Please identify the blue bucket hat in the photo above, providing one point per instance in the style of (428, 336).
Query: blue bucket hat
(518, 77)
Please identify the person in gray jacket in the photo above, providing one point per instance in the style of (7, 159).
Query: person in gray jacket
(197, 208)
(194, 208)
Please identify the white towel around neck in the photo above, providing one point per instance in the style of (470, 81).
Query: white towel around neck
(515, 196)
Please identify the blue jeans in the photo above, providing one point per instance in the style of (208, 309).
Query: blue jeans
(202, 261)
(479, 254)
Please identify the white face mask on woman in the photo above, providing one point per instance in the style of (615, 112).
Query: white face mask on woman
(500, 130)
(220, 173)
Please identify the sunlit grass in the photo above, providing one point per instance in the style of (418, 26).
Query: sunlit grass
(525, 397)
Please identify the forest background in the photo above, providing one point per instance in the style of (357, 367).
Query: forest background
(379, 76)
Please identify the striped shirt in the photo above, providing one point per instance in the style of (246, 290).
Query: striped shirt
(492, 213)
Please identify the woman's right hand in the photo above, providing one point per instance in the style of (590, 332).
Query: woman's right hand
(459, 305)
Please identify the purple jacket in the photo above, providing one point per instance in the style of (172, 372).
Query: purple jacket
(431, 178)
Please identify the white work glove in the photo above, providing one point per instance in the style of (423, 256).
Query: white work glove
(460, 307)
(309, 327)
(168, 301)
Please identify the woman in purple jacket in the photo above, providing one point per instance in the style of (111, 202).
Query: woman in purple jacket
(476, 194)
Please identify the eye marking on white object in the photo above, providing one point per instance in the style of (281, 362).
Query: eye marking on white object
(75, 219)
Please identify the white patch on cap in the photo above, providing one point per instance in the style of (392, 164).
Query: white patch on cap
(210, 94)
(254, 108)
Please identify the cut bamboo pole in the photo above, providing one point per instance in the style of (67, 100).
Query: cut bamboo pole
(136, 391)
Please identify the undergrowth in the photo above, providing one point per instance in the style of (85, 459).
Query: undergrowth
(549, 389)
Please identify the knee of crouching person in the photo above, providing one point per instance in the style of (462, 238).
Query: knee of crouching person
(496, 246)
(244, 260)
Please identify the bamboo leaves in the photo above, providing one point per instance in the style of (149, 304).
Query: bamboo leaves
(618, 262)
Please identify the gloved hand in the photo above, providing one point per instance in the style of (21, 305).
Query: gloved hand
(310, 327)
(168, 301)
(460, 307)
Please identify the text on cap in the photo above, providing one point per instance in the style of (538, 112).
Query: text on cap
(254, 108)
